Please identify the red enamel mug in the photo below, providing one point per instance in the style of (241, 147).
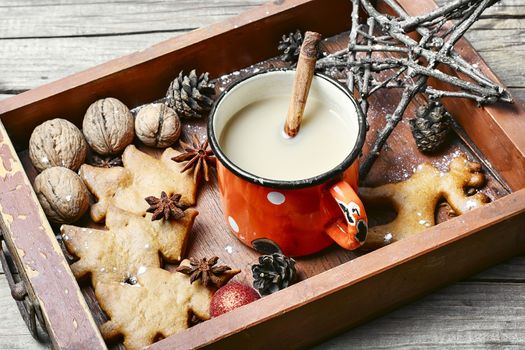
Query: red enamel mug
(301, 216)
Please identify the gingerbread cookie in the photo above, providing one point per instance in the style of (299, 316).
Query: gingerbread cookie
(145, 207)
(158, 305)
(142, 176)
(129, 245)
(415, 199)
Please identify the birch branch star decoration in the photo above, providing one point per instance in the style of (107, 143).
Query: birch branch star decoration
(383, 54)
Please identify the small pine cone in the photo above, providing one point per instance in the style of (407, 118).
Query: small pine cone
(290, 46)
(431, 126)
(191, 95)
(273, 273)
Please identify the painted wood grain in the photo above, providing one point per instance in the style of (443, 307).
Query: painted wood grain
(40, 261)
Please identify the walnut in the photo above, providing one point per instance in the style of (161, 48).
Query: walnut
(62, 194)
(57, 142)
(108, 126)
(157, 125)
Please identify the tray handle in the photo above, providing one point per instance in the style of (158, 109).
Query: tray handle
(27, 305)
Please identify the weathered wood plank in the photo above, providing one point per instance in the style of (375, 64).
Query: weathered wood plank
(511, 271)
(2, 96)
(503, 7)
(510, 41)
(81, 42)
(466, 315)
(31, 19)
(13, 331)
(57, 58)
(43, 60)
(519, 93)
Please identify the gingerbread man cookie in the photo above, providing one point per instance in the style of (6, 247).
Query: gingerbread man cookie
(415, 199)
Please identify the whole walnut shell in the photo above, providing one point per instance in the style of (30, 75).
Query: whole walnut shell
(157, 125)
(108, 126)
(57, 142)
(62, 194)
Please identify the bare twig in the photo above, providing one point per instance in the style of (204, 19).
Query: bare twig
(389, 63)
(411, 23)
(378, 40)
(464, 26)
(387, 82)
(366, 75)
(379, 48)
(424, 72)
(437, 94)
(412, 62)
(391, 123)
(352, 41)
(456, 61)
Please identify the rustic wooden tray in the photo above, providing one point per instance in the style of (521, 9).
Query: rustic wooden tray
(338, 289)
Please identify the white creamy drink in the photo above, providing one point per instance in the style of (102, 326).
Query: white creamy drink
(254, 139)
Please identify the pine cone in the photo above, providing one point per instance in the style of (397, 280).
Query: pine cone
(290, 46)
(191, 95)
(431, 126)
(273, 273)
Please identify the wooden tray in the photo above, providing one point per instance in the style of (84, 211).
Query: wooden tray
(339, 289)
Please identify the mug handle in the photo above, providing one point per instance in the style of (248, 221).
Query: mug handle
(350, 233)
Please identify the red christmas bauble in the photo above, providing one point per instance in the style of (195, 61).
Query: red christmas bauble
(230, 297)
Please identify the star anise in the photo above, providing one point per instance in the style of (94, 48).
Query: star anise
(205, 271)
(106, 162)
(165, 207)
(197, 156)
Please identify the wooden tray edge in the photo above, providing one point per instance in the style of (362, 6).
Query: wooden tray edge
(492, 232)
(36, 252)
(39, 94)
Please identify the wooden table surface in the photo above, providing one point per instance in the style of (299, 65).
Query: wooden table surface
(44, 40)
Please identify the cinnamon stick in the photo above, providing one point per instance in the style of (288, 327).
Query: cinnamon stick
(302, 81)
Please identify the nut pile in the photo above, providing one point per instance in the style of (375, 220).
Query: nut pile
(57, 148)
